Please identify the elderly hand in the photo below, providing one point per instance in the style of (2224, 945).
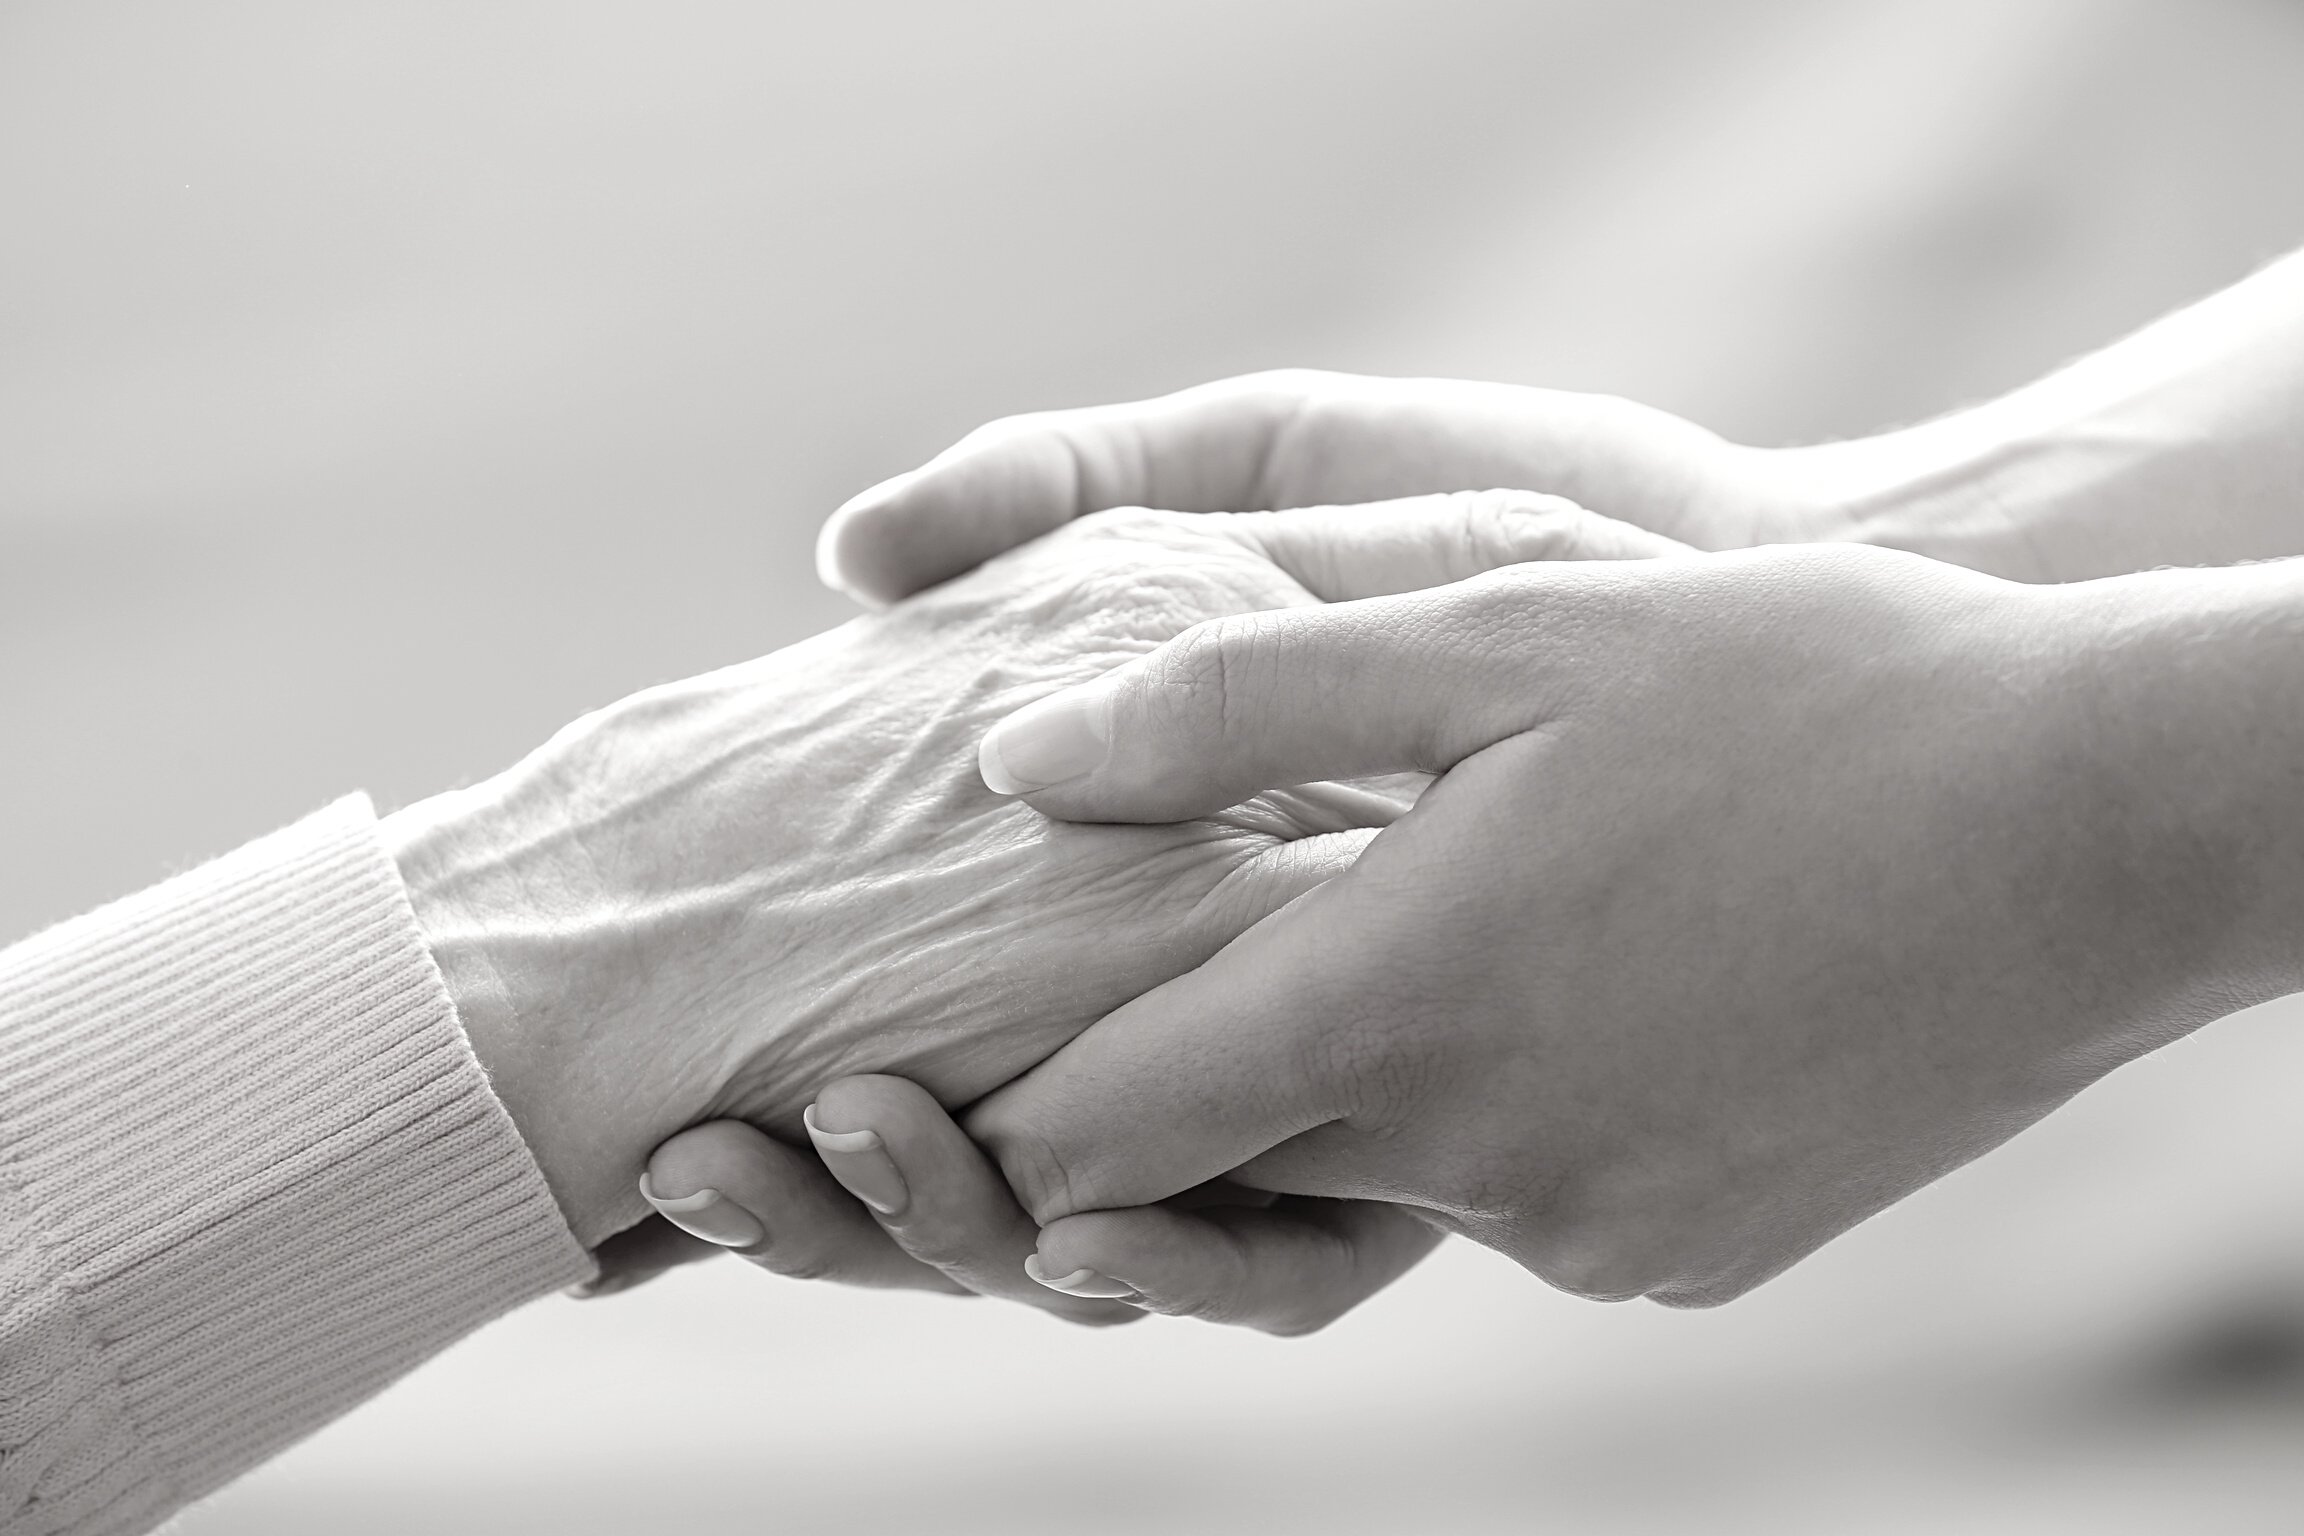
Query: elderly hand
(716, 897)
(1758, 890)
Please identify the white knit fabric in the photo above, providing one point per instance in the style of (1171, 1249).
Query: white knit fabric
(250, 1172)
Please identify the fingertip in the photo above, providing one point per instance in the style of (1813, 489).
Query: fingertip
(1054, 740)
(845, 547)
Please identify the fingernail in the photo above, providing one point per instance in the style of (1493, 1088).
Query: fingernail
(1081, 1282)
(861, 1163)
(1057, 738)
(708, 1214)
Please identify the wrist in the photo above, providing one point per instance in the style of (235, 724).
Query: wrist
(515, 949)
(2175, 446)
(2186, 721)
(1968, 490)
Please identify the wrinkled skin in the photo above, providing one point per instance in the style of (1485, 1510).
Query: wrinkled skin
(1129, 903)
(717, 895)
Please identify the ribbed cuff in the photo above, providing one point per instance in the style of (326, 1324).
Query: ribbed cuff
(250, 1172)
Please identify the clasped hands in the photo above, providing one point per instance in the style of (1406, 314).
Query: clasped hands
(1272, 892)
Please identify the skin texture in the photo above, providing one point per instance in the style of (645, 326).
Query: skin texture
(2175, 445)
(1757, 891)
(716, 897)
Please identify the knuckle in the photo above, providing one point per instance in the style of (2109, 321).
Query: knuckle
(1118, 523)
(1035, 1171)
(1510, 527)
(1207, 677)
(1132, 580)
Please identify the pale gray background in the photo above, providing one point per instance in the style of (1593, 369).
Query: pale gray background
(382, 383)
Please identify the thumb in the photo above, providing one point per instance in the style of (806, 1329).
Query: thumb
(1185, 1083)
(1415, 682)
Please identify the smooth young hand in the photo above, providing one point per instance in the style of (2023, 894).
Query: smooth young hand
(1757, 891)
(2174, 446)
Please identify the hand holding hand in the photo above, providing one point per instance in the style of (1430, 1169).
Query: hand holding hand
(719, 896)
(1757, 890)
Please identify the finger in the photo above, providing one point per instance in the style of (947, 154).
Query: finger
(1296, 437)
(1235, 705)
(1011, 481)
(1269, 881)
(1289, 1268)
(729, 1184)
(1340, 553)
(640, 1253)
(1195, 1078)
(894, 1148)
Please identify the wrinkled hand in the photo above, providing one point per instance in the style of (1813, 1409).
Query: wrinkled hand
(1299, 437)
(1757, 891)
(718, 896)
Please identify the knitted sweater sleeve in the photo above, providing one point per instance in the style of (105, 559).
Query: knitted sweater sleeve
(250, 1172)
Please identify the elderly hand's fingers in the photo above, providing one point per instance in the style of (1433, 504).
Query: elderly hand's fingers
(731, 1185)
(1385, 547)
(1194, 1079)
(1291, 1267)
(893, 1147)
(640, 1253)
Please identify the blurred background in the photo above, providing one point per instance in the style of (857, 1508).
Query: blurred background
(381, 384)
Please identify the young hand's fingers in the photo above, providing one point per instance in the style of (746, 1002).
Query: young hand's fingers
(640, 1253)
(1291, 1267)
(892, 1145)
(1416, 681)
(1011, 481)
(1195, 1078)
(731, 1185)
(1381, 548)
(1337, 437)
